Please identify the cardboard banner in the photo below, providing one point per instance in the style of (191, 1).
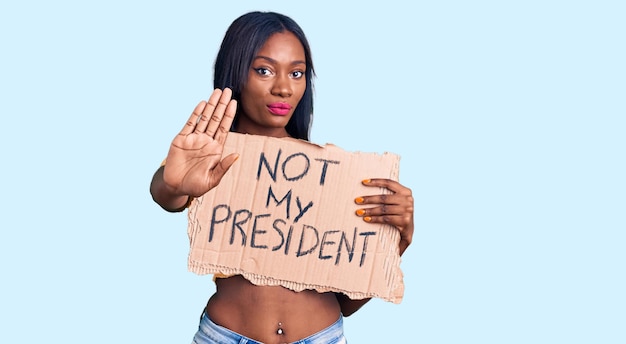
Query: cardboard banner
(284, 214)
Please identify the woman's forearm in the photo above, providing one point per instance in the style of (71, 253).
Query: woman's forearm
(164, 196)
(349, 306)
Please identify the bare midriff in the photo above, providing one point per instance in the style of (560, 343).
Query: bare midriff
(270, 314)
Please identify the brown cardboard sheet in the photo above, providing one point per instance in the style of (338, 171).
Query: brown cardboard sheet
(284, 214)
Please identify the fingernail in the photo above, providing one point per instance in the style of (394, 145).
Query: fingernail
(367, 219)
(366, 181)
(359, 200)
(360, 212)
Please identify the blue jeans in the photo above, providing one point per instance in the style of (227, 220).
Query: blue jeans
(212, 333)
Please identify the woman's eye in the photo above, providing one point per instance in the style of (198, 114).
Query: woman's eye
(297, 74)
(263, 71)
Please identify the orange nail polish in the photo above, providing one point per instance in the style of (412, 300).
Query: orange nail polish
(367, 219)
(360, 212)
(366, 181)
(359, 200)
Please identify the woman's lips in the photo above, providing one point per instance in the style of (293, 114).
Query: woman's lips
(280, 109)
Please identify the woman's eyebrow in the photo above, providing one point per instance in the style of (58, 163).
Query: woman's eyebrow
(271, 60)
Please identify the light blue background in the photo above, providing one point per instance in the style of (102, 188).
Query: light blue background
(508, 115)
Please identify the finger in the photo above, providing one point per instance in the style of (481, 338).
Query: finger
(384, 199)
(218, 112)
(227, 122)
(208, 111)
(389, 184)
(220, 170)
(402, 221)
(393, 220)
(382, 210)
(190, 126)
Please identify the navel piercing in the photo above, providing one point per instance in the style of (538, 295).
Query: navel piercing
(280, 330)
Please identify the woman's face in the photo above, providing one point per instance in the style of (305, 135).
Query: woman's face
(276, 83)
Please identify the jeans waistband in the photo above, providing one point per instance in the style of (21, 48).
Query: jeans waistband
(208, 330)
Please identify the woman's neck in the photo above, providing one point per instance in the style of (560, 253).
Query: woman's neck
(272, 132)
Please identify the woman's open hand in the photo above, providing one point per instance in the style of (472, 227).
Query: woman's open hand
(194, 162)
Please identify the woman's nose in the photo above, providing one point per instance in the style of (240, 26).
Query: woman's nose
(282, 86)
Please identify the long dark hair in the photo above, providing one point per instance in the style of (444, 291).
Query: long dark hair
(243, 39)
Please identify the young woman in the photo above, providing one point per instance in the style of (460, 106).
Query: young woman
(263, 86)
